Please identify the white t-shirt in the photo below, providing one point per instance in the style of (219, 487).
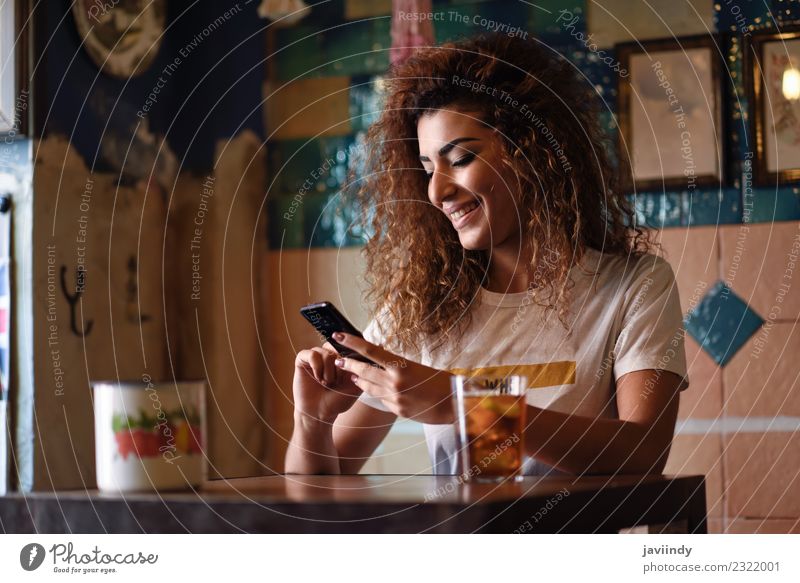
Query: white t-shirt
(624, 316)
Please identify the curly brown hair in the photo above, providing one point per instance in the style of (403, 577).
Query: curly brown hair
(418, 274)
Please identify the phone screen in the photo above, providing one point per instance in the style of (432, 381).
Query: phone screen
(326, 319)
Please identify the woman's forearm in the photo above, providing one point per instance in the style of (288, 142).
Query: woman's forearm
(311, 449)
(579, 444)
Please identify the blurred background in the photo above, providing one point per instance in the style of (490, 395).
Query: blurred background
(173, 175)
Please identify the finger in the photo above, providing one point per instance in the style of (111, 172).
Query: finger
(317, 365)
(375, 353)
(328, 368)
(306, 369)
(362, 369)
(372, 389)
(344, 385)
(329, 347)
(301, 360)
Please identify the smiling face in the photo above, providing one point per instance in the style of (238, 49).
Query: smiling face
(467, 180)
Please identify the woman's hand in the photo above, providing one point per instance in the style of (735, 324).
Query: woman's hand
(407, 388)
(321, 391)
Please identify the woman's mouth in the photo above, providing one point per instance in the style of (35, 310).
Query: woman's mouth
(465, 214)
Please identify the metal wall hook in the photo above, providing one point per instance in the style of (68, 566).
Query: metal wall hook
(72, 300)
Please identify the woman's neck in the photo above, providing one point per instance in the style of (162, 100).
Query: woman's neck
(509, 269)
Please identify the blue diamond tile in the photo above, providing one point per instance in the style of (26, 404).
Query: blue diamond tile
(721, 323)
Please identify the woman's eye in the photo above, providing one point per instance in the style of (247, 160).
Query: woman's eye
(463, 161)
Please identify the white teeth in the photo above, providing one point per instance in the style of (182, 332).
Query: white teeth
(461, 212)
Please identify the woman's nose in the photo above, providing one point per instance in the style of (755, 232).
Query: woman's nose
(440, 187)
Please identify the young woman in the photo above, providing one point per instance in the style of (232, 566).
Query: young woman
(501, 244)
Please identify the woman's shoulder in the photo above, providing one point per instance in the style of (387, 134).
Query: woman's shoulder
(380, 330)
(378, 326)
(626, 271)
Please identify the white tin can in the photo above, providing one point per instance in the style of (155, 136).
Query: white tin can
(149, 435)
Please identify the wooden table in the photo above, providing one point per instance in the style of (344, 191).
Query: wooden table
(374, 504)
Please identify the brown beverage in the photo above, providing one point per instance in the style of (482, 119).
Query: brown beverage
(494, 429)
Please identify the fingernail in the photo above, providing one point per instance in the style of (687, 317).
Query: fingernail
(354, 378)
(338, 336)
(339, 362)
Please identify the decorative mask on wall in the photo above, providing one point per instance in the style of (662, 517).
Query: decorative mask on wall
(121, 36)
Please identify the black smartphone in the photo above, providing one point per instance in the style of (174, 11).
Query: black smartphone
(326, 319)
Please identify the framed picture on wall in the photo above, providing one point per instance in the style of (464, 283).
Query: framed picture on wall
(670, 114)
(772, 65)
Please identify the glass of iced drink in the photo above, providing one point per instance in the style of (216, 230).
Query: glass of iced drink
(490, 421)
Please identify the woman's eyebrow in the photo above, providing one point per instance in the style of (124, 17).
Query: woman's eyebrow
(449, 146)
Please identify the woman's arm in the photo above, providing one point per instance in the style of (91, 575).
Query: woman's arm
(357, 433)
(636, 443)
(311, 449)
(329, 420)
(342, 447)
